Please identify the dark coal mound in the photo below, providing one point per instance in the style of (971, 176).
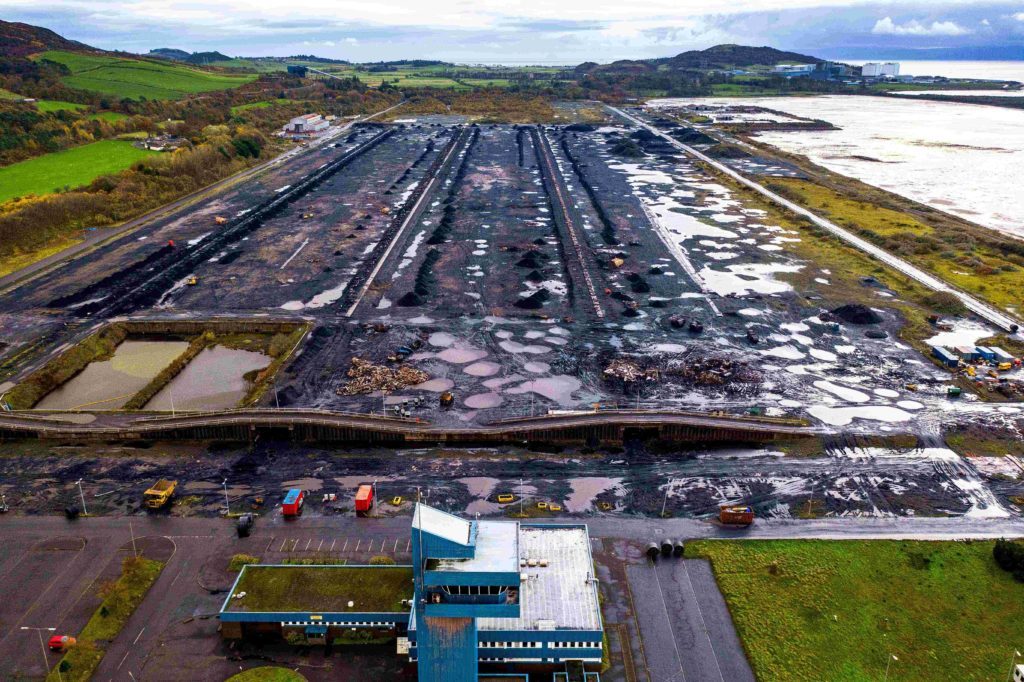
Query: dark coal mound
(855, 313)
(875, 334)
(655, 271)
(532, 259)
(534, 300)
(534, 276)
(580, 128)
(231, 257)
(630, 312)
(540, 241)
(644, 135)
(621, 296)
(658, 303)
(692, 136)
(627, 148)
(410, 300)
(638, 284)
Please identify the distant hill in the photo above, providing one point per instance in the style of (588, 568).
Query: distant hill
(177, 55)
(20, 40)
(717, 57)
(169, 53)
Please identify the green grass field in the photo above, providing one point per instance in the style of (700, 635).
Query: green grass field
(51, 105)
(69, 168)
(135, 78)
(7, 94)
(260, 105)
(109, 116)
(835, 610)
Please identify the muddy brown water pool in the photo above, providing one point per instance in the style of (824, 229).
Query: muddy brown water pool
(214, 380)
(110, 383)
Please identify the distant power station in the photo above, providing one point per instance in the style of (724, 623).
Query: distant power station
(880, 69)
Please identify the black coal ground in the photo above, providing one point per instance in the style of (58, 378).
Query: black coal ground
(631, 481)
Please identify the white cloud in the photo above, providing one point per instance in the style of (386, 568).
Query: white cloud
(888, 27)
(1019, 16)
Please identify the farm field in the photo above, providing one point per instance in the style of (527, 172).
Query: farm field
(260, 105)
(51, 105)
(71, 167)
(134, 78)
(831, 610)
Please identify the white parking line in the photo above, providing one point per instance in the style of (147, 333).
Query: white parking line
(301, 247)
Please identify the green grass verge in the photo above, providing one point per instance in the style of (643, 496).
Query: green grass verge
(73, 167)
(835, 610)
(267, 674)
(120, 599)
(99, 346)
(137, 78)
(323, 588)
(7, 94)
(51, 105)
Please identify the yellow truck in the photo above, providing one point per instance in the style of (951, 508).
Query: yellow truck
(160, 493)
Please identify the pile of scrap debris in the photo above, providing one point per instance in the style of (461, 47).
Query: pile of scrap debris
(628, 371)
(713, 371)
(366, 377)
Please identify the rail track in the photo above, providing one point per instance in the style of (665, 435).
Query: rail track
(554, 183)
(362, 281)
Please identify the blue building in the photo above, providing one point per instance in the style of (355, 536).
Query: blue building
(945, 357)
(502, 596)
(483, 600)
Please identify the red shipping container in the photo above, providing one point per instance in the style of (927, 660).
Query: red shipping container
(364, 498)
(292, 504)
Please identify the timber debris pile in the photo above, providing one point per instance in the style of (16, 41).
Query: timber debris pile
(366, 377)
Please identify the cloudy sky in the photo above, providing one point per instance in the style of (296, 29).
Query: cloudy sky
(534, 31)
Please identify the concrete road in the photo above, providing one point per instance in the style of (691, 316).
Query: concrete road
(685, 623)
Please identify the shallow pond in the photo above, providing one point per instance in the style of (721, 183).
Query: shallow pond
(108, 385)
(214, 380)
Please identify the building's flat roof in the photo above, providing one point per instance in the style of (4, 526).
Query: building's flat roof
(441, 524)
(496, 549)
(313, 589)
(561, 595)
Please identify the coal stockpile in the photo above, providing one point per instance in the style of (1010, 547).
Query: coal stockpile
(691, 136)
(425, 281)
(607, 226)
(144, 284)
(855, 313)
(444, 228)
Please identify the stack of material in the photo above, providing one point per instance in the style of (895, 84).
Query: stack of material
(628, 371)
(715, 371)
(367, 377)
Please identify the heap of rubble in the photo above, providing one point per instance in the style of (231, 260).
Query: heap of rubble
(628, 371)
(366, 377)
(714, 371)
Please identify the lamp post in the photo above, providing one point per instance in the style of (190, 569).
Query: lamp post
(227, 503)
(1013, 662)
(85, 512)
(46, 661)
(888, 662)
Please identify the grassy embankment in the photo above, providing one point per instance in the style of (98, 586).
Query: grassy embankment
(137, 78)
(265, 104)
(835, 610)
(120, 599)
(96, 347)
(267, 674)
(73, 167)
(976, 263)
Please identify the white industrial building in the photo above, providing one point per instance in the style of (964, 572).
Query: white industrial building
(790, 70)
(880, 70)
(306, 125)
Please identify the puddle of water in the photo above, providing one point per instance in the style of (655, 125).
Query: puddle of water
(482, 369)
(460, 356)
(584, 490)
(109, 384)
(214, 380)
(482, 401)
(557, 388)
(435, 385)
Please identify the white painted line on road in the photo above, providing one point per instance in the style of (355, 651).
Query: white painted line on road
(320, 545)
(668, 619)
(140, 635)
(123, 659)
(301, 247)
(295, 544)
(307, 544)
(272, 538)
(395, 549)
(703, 625)
(332, 544)
(408, 544)
(346, 545)
(283, 541)
(357, 544)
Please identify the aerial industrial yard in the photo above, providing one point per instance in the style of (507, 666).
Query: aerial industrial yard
(546, 322)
